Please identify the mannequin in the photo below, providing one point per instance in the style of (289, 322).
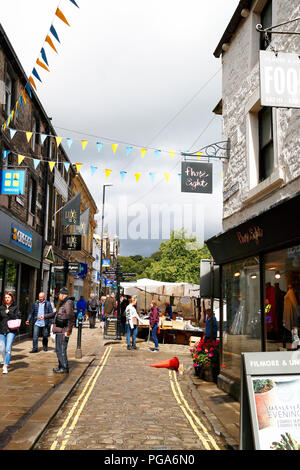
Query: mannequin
(290, 311)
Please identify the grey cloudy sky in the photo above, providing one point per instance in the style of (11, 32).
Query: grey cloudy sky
(123, 71)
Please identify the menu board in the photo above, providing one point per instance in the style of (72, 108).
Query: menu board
(196, 177)
(270, 401)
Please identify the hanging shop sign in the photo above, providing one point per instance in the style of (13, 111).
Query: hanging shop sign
(71, 211)
(71, 242)
(106, 262)
(21, 238)
(270, 401)
(279, 79)
(196, 177)
(12, 182)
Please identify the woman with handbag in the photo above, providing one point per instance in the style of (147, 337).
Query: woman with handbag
(132, 319)
(10, 322)
(154, 324)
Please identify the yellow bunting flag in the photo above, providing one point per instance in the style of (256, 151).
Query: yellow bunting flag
(51, 165)
(172, 153)
(84, 144)
(143, 152)
(24, 96)
(49, 41)
(12, 114)
(107, 173)
(199, 155)
(32, 82)
(78, 166)
(61, 16)
(137, 176)
(114, 147)
(4, 127)
(222, 175)
(58, 140)
(167, 176)
(20, 159)
(41, 64)
(28, 136)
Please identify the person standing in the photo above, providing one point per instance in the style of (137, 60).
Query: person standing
(81, 308)
(154, 322)
(211, 326)
(109, 305)
(169, 310)
(41, 313)
(92, 308)
(8, 311)
(132, 319)
(62, 328)
(123, 305)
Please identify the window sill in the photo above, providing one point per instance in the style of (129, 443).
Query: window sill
(265, 187)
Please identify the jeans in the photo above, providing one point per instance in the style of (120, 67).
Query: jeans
(61, 345)
(36, 331)
(154, 335)
(131, 332)
(7, 341)
(92, 318)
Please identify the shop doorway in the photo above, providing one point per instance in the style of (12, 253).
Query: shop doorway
(26, 292)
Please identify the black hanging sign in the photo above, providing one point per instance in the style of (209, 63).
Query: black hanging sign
(196, 177)
(71, 242)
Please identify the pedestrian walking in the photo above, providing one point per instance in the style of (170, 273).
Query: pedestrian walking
(10, 321)
(42, 315)
(62, 328)
(211, 326)
(109, 305)
(154, 323)
(92, 309)
(81, 308)
(132, 319)
(123, 305)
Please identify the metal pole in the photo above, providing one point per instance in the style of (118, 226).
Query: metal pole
(78, 352)
(102, 227)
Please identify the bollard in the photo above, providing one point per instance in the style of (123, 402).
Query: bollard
(78, 353)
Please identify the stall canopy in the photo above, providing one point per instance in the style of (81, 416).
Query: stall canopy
(176, 289)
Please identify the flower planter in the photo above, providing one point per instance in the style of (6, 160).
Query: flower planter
(208, 373)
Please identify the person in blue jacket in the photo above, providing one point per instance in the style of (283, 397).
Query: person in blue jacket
(211, 326)
(81, 308)
(42, 314)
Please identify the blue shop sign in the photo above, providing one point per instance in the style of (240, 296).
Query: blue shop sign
(21, 238)
(106, 262)
(12, 182)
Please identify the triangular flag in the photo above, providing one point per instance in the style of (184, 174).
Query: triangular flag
(49, 41)
(84, 144)
(114, 147)
(61, 16)
(43, 138)
(32, 82)
(93, 169)
(167, 176)
(69, 141)
(222, 174)
(44, 57)
(27, 88)
(143, 152)
(36, 161)
(73, 1)
(20, 159)
(123, 174)
(199, 155)
(137, 176)
(12, 133)
(78, 166)
(99, 146)
(34, 72)
(128, 150)
(21, 103)
(41, 64)
(24, 96)
(51, 165)
(107, 173)
(172, 153)
(179, 176)
(157, 153)
(28, 136)
(5, 153)
(67, 166)
(54, 33)
(152, 175)
(58, 140)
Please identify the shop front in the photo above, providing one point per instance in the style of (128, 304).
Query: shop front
(20, 258)
(260, 287)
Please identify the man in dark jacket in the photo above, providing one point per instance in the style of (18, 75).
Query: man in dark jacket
(93, 306)
(109, 305)
(42, 315)
(62, 328)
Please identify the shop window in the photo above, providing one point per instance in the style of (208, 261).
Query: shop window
(8, 93)
(32, 195)
(241, 313)
(282, 298)
(11, 277)
(266, 22)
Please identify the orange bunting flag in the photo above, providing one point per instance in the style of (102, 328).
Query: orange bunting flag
(49, 41)
(32, 82)
(172, 153)
(107, 173)
(61, 16)
(58, 140)
(143, 152)
(78, 166)
(84, 144)
(20, 159)
(51, 165)
(28, 136)
(137, 176)
(41, 64)
(114, 147)
(167, 176)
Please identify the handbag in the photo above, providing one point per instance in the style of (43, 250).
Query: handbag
(134, 321)
(61, 322)
(14, 324)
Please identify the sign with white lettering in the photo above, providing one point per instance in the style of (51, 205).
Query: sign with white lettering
(270, 401)
(196, 177)
(279, 79)
(21, 238)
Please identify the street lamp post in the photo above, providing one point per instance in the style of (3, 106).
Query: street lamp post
(102, 226)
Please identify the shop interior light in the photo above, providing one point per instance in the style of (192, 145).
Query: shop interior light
(277, 275)
(253, 275)
(237, 274)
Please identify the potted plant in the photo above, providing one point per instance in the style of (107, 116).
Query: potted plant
(206, 359)
(265, 395)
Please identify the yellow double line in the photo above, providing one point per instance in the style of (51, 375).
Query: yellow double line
(204, 436)
(65, 431)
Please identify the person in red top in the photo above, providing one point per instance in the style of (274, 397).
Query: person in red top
(154, 321)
